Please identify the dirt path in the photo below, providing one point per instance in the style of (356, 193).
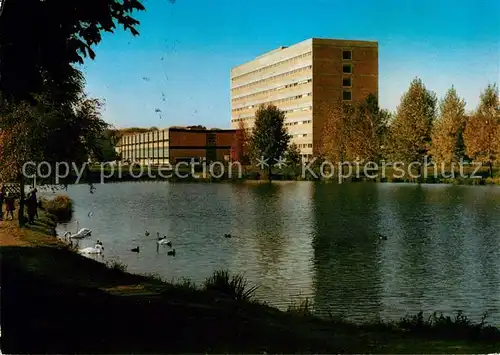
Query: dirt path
(11, 234)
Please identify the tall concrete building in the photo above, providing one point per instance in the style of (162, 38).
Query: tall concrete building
(301, 80)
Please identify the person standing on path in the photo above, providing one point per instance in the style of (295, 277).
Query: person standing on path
(2, 198)
(10, 206)
(32, 207)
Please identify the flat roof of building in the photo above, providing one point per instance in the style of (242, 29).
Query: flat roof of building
(311, 41)
(185, 129)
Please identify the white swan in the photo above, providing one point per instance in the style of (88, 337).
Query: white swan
(165, 241)
(85, 232)
(97, 249)
(82, 233)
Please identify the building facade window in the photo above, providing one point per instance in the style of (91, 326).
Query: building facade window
(347, 82)
(346, 95)
(347, 69)
(346, 55)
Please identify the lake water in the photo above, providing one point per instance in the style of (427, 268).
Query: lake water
(306, 239)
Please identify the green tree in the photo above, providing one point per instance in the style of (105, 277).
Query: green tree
(482, 133)
(106, 147)
(292, 155)
(447, 134)
(53, 35)
(269, 139)
(410, 133)
(46, 129)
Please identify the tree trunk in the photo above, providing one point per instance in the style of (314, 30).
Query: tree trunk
(21, 202)
(491, 168)
(270, 173)
(421, 171)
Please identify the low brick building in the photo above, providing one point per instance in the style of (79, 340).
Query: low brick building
(176, 144)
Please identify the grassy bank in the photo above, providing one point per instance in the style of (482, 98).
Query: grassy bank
(54, 300)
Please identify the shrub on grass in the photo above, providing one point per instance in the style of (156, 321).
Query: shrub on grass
(61, 207)
(493, 181)
(459, 327)
(302, 308)
(235, 286)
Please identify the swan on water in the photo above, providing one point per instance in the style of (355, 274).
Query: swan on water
(135, 250)
(171, 252)
(147, 233)
(165, 241)
(85, 232)
(82, 233)
(97, 249)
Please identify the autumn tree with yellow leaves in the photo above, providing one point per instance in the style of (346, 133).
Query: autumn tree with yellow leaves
(410, 133)
(447, 133)
(354, 131)
(482, 132)
(335, 133)
(367, 130)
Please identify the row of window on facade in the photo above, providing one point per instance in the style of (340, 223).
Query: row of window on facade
(297, 123)
(273, 78)
(346, 55)
(346, 83)
(153, 136)
(305, 145)
(275, 102)
(286, 61)
(278, 88)
(148, 153)
(306, 108)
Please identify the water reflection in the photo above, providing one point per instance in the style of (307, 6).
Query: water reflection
(317, 240)
(437, 251)
(346, 250)
(278, 223)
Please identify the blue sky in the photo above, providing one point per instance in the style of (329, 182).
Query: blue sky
(181, 61)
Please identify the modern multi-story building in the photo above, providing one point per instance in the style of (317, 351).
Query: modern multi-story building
(175, 144)
(302, 80)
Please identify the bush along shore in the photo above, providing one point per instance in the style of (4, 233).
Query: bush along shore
(56, 301)
(97, 174)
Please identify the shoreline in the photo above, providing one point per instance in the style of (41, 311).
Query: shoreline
(96, 176)
(41, 270)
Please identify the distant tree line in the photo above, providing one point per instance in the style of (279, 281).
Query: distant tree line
(421, 127)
